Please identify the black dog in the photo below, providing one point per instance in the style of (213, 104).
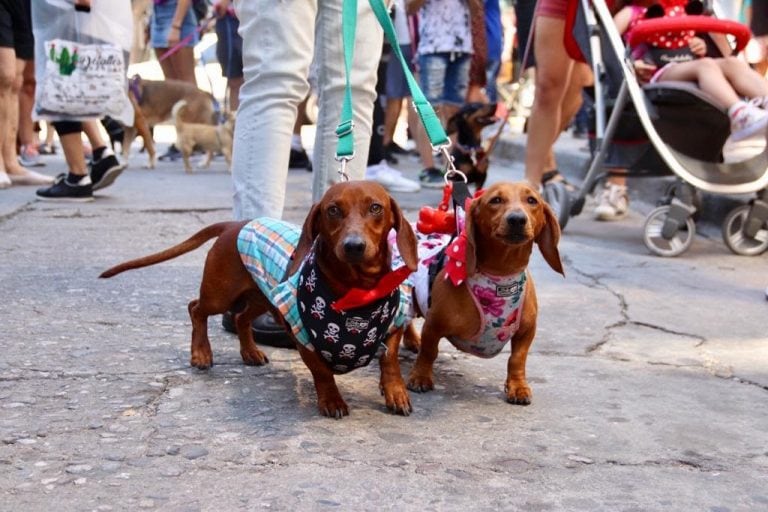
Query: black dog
(468, 154)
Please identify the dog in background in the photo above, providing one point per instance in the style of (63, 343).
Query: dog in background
(207, 137)
(484, 296)
(342, 248)
(468, 153)
(153, 101)
(116, 131)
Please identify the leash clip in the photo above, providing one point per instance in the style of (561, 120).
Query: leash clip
(451, 169)
(343, 161)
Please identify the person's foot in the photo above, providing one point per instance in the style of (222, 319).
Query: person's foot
(390, 157)
(105, 171)
(28, 177)
(613, 203)
(171, 155)
(391, 179)
(265, 330)
(747, 120)
(432, 177)
(5, 181)
(29, 156)
(46, 149)
(63, 189)
(299, 160)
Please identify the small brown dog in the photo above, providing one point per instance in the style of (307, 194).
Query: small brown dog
(468, 153)
(485, 297)
(342, 249)
(205, 136)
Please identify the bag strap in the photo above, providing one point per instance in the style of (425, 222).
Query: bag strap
(345, 148)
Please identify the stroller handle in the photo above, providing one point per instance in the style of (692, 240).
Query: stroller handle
(646, 29)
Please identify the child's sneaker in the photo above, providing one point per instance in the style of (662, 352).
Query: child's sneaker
(5, 181)
(63, 190)
(613, 203)
(29, 156)
(746, 120)
(760, 102)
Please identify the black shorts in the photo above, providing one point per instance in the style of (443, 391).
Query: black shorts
(229, 48)
(16, 28)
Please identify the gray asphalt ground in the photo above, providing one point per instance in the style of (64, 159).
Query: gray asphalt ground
(650, 376)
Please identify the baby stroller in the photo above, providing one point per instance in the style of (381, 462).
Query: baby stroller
(674, 128)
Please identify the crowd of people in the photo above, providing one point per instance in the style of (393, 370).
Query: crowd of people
(454, 48)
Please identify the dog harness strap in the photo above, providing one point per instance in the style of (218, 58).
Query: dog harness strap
(499, 301)
(344, 339)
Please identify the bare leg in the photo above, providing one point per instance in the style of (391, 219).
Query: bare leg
(391, 115)
(10, 157)
(553, 72)
(709, 76)
(92, 131)
(72, 145)
(7, 76)
(234, 85)
(745, 80)
(184, 65)
(26, 102)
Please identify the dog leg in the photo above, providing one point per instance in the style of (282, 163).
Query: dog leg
(420, 379)
(202, 356)
(329, 400)
(207, 163)
(516, 387)
(392, 385)
(185, 156)
(411, 338)
(250, 353)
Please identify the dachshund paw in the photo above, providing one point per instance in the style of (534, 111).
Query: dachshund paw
(518, 393)
(254, 357)
(412, 344)
(420, 383)
(201, 359)
(397, 399)
(333, 406)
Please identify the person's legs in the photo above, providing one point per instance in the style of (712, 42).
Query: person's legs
(7, 77)
(433, 70)
(707, 74)
(234, 85)
(275, 83)
(391, 115)
(27, 136)
(553, 72)
(75, 185)
(10, 156)
(330, 65)
(183, 63)
(744, 80)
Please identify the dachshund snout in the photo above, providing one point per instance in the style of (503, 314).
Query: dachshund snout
(516, 221)
(354, 248)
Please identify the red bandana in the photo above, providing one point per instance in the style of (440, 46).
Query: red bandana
(357, 297)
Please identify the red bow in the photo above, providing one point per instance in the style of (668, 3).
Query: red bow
(357, 297)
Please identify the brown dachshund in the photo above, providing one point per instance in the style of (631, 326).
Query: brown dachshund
(345, 239)
(495, 299)
(468, 153)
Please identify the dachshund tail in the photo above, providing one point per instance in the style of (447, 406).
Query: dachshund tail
(190, 244)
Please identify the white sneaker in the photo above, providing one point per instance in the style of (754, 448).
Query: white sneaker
(747, 120)
(5, 181)
(760, 102)
(391, 179)
(613, 203)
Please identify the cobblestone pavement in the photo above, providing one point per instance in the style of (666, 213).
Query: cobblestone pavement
(650, 379)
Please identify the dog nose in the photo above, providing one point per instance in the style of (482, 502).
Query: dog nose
(516, 220)
(354, 247)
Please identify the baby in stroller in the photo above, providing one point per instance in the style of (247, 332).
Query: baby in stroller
(683, 56)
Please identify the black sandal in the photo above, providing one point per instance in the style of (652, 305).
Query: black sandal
(555, 176)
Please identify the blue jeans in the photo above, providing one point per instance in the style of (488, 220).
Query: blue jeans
(444, 77)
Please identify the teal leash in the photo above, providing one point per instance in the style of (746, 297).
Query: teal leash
(345, 147)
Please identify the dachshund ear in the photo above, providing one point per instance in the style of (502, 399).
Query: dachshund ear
(453, 123)
(309, 232)
(469, 229)
(406, 238)
(548, 240)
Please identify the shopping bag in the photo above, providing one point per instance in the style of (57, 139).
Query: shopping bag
(82, 80)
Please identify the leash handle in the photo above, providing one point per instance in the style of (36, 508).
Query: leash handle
(345, 147)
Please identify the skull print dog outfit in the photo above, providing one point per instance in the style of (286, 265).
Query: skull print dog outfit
(345, 339)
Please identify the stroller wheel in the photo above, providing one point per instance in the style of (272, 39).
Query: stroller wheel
(556, 194)
(660, 245)
(737, 240)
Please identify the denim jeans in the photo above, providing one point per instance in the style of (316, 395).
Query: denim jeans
(280, 38)
(445, 77)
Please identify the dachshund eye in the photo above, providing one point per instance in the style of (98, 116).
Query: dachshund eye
(334, 211)
(495, 200)
(376, 209)
(532, 200)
